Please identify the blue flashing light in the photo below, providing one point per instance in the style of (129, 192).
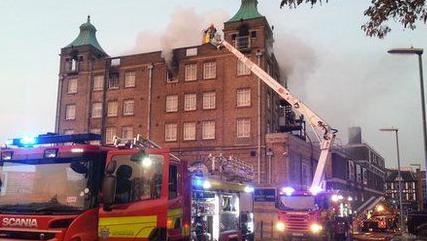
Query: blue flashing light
(288, 191)
(28, 141)
(198, 182)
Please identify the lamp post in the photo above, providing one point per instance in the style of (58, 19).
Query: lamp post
(419, 52)
(399, 175)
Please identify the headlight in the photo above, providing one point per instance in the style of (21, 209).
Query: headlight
(280, 226)
(316, 228)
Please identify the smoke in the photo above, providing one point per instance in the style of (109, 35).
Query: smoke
(297, 60)
(184, 29)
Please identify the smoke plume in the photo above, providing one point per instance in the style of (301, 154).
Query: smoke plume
(184, 29)
(297, 60)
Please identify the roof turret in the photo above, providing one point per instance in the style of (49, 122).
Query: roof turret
(87, 36)
(248, 10)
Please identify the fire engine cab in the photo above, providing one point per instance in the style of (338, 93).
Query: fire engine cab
(304, 216)
(58, 188)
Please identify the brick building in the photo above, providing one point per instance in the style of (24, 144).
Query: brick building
(365, 170)
(204, 102)
(409, 189)
(413, 188)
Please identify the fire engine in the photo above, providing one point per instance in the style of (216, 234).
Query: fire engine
(318, 224)
(55, 187)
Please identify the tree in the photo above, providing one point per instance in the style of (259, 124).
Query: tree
(406, 12)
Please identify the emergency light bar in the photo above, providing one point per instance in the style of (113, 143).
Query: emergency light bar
(54, 139)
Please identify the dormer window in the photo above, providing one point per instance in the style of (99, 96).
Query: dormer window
(72, 63)
(115, 62)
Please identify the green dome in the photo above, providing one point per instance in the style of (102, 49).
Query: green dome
(87, 36)
(248, 10)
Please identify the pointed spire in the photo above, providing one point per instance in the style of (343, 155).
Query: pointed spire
(87, 36)
(248, 10)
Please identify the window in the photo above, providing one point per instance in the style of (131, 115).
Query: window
(115, 62)
(72, 65)
(128, 107)
(243, 128)
(190, 131)
(112, 109)
(351, 170)
(209, 100)
(358, 174)
(208, 130)
(191, 52)
(130, 79)
(127, 132)
(97, 110)
(243, 97)
(242, 69)
(72, 86)
(170, 78)
(110, 133)
(209, 70)
(113, 82)
(138, 181)
(98, 82)
(68, 132)
(172, 103)
(365, 176)
(190, 102)
(70, 112)
(191, 72)
(171, 132)
(173, 181)
(253, 34)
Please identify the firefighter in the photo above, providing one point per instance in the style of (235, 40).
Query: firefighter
(209, 34)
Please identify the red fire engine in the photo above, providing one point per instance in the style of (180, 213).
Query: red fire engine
(325, 216)
(52, 191)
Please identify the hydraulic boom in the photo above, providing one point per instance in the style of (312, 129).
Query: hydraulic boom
(323, 131)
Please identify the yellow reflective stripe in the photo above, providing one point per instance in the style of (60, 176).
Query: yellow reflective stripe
(128, 227)
(175, 212)
(173, 215)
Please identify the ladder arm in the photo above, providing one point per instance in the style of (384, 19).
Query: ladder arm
(322, 130)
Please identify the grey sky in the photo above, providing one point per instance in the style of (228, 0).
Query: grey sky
(344, 76)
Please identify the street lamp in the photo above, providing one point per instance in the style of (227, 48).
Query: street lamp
(419, 52)
(399, 176)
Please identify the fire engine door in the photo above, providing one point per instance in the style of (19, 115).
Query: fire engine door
(139, 211)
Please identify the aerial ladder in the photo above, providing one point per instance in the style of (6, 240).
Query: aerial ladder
(322, 130)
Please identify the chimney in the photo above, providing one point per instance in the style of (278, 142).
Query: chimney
(354, 135)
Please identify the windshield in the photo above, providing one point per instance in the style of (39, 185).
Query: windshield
(298, 203)
(46, 187)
